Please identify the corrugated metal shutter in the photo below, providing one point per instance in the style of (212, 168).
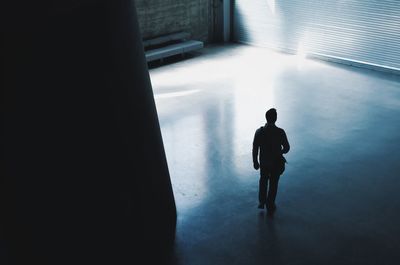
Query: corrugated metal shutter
(359, 31)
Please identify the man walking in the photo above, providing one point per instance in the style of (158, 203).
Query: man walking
(272, 143)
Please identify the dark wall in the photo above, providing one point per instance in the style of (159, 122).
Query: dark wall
(84, 178)
(161, 17)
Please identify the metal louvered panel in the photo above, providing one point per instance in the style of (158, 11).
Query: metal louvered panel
(361, 31)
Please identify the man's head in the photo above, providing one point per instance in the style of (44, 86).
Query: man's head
(271, 116)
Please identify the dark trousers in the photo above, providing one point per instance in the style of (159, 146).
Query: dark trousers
(268, 182)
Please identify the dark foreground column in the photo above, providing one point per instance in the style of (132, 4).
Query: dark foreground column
(84, 177)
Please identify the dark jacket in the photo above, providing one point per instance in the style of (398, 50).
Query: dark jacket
(272, 143)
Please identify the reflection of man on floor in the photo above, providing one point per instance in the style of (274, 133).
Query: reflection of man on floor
(272, 143)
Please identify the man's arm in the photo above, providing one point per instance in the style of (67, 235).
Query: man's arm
(256, 147)
(285, 144)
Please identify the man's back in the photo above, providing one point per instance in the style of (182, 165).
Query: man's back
(272, 142)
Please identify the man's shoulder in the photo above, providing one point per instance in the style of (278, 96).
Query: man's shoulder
(280, 129)
(259, 133)
(259, 130)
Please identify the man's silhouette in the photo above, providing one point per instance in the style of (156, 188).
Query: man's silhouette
(272, 143)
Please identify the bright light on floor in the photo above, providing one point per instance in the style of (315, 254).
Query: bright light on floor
(176, 94)
(301, 55)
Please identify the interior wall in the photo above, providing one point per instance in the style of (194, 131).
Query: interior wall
(227, 20)
(358, 32)
(161, 17)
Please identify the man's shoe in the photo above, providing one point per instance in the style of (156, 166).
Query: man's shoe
(261, 206)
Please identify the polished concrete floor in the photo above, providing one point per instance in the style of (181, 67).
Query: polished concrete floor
(339, 198)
